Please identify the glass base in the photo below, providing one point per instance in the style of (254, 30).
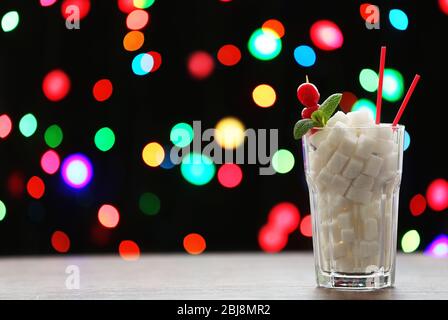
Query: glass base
(355, 282)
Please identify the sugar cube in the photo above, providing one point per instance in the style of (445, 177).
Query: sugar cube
(336, 162)
(353, 168)
(365, 146)
(373, 166)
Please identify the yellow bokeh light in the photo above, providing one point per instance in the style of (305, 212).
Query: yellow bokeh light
(264, 96)
(153, 154)
(229, 133)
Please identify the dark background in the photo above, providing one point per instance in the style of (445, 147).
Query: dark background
(143, 109)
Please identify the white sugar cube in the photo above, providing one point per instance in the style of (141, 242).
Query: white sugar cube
(373, 166)
(339, 184)
(353, 168)
(334, 231)
(373, 248)
(383, 147)
(318, 137)
(365, 146)
(339, 250)
(336, 162)
(359, 195)
(347, 235)
(324, 151)
(370, 229)
(386, 133)
(340, 203)
(314, 162)
(344, 220)
(371, 210)
(338, 116)
(324, 179)
(363, 182)
(391, 162)
(348, 144)
(337, 133)
(360, 118)
(364, 249)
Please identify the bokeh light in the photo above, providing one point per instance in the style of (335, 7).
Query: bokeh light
(326, 35)
(368, 80)
(142, 64)
(197, 169)
(410, 241)
(367, 14)
(393, 85)
(149, 203)
(102, 90)
(153, 154)
(229, 133)
(108, 216)
(47, 3)
(264, 44)
(104, 139)
(230, 175)
(229, 55)
(407, 140)
(126, 6)
(157, 60)
(347, 101)
(306, 228)
(53, 136)
(35, 187)
(16, 184)
(271, 240)
(28, 125)
(194, 243)
(365, 104)
(398, 19)
(129, 250)
(2, 210)
(137, 19)
(283, 161)
(10, 20)
(200, 65)
(284, 217)
(443, 5)
(274, 25)
(77, 171)
(437, 195)
(264, 96)
(143, 4)
(5, 126)
(417, 205)
(167, 163)
(133, 40)
(305, 56)
(56, 85)
(83, 6)
(50, 162)
(438, 248)
(60, 241)
(181, 134)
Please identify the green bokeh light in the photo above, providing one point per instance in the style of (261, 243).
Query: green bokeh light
(104, 139)
(10, 20)
(264, 44)
(2, 210)
(143, 4)
(28, 125)
(197, 169)
(365, 104)
(410, 241)
(368, 80)
(393, 85)
(53, 136)
(149, 203)
(283, 161)
(181, 134)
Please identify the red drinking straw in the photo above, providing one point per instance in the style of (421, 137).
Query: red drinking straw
(379, 93)
(406, 100)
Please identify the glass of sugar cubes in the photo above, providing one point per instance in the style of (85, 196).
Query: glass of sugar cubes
(353, 170)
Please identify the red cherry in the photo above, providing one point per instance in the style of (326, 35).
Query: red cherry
(308, 94)
(307, 112)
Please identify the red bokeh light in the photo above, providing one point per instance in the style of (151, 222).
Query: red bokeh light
(417, 205)
(16, 184)
(437, 195)
(194, 243)
(129, 250)
(108, 216)
(56, 85)
(284, 217)
(347, 101)
(5, 126)
(274, 25)
(200, 65)
(229, 55)
(157, 57)
(137, 19)
(102, 90)
(230, 175)
(83, 6)
(271, 240)
(35, 187)
(326, 35)
(363, 11)
(443, 5)
(126, 6)
(50, 162)
(306, 226)
(60, 242)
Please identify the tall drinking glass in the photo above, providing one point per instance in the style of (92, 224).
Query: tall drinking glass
(353, 175)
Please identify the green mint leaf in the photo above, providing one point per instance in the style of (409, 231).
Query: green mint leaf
(328, 107)
(302, 127)
(319, 118)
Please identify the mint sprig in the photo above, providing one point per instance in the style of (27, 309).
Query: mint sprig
(302, 127)
(328, 107)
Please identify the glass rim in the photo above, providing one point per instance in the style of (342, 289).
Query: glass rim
(381, 125)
